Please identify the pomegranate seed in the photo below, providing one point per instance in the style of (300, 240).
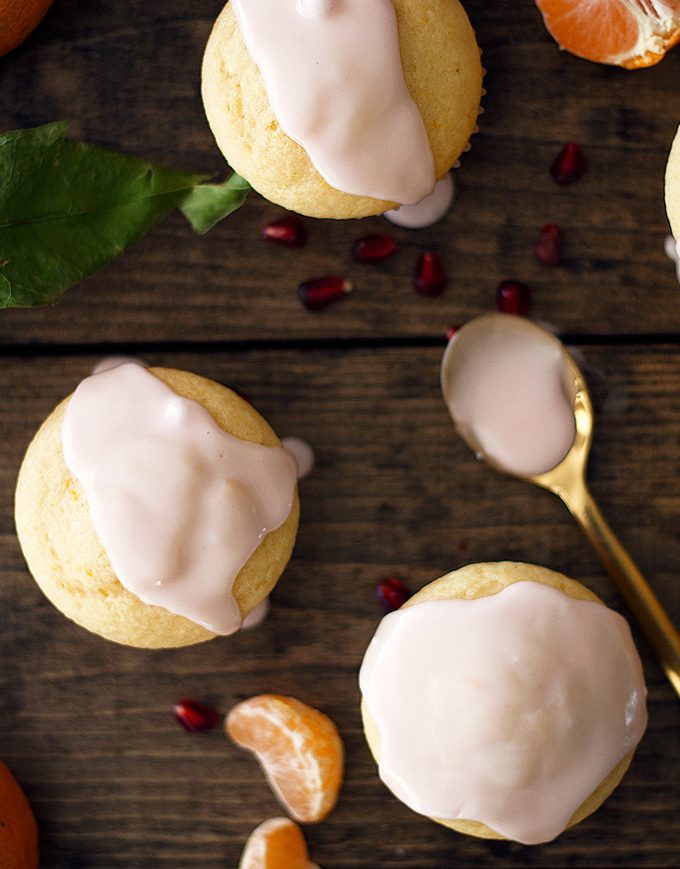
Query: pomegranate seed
(373, 248)
(452, 331)
(317, 293)
(430, 278)
(512, 297)
(392, 593)
(549, 245)
(288, 231)
(569, 165)
(194, 716)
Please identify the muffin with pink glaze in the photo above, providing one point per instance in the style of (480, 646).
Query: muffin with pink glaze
(504, 701)
(673, 186)
(342, 108)
(155, 507)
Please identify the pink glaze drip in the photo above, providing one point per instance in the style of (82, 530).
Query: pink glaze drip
(509, 709)
(314, 8)
(335, 82)
(302, 453)
(672, 249)
(429, 211)
(112, 361)
(256, 616)
(509, 392)
(179, 505)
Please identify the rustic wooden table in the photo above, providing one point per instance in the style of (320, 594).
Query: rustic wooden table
(86, 725)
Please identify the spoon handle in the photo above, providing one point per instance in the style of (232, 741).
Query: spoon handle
(641, 600)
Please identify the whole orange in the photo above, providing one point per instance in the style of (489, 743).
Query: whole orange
(18, 830)
(17, 19)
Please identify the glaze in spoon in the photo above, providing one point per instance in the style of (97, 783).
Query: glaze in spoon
(521, 404)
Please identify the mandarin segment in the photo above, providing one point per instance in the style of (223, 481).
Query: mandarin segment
(628, 33)
(276, 844)
(299, 749)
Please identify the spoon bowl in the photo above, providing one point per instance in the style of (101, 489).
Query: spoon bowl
(567, 478)
(564, 476)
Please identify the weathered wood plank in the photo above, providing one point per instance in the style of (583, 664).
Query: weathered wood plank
(86, 724)
(127, 76)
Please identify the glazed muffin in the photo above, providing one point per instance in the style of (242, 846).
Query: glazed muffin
(439, 66)
(673, 186)
(161, 473)
(520, 701)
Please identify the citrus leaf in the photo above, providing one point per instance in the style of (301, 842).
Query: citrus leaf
(207, 204)
(67, 208)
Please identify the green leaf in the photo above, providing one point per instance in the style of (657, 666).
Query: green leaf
(207, 204)
(67, 208)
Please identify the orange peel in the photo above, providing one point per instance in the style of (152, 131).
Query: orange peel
(18, 830)
(18, 18)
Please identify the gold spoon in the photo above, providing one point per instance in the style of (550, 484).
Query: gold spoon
(568, 480)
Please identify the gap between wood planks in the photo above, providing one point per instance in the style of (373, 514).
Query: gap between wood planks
(131, 348)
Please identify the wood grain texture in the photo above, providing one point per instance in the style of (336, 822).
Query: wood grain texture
(86, 725)
(126, 75)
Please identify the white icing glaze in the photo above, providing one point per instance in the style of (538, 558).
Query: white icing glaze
(178, 504)
(509, 709)
(257, 616)
(314, 8)
(672, 249)
(302, 453)
(336, 85)
(510, 393)
(112, 361)
(429, 211)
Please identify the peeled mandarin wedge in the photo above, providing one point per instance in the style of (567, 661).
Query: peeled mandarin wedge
(629, 33)
(298, 747)
(276, 844)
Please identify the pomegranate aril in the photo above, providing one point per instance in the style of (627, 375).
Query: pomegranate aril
(430, 278)
(373, 248)
(549, 245)
(195, 716)
(392, 593)
(569, 165)
(513, 297)
(288, 231)
(317, 293)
